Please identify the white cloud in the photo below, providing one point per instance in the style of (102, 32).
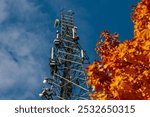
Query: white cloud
(23, 49)
(3, 13)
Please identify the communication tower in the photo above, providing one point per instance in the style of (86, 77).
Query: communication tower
(67, 62)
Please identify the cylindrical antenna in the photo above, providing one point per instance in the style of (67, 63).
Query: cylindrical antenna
(74, 31)
(52, 54)
(57, 34)
(82, 54)
(57, 23)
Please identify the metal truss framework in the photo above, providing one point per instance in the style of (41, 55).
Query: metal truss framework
(69, 80)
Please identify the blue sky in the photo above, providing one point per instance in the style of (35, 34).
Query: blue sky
(27, 33)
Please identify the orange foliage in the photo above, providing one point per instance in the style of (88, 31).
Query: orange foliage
(123, 71)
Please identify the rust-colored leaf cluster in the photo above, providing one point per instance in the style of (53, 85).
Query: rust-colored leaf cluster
(123, 71)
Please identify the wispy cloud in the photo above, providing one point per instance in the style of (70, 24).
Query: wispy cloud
(24, 48)
(3, 13)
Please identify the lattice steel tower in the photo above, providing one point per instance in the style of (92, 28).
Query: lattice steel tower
(69, 80)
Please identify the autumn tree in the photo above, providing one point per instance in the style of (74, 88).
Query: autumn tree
(123, 70)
